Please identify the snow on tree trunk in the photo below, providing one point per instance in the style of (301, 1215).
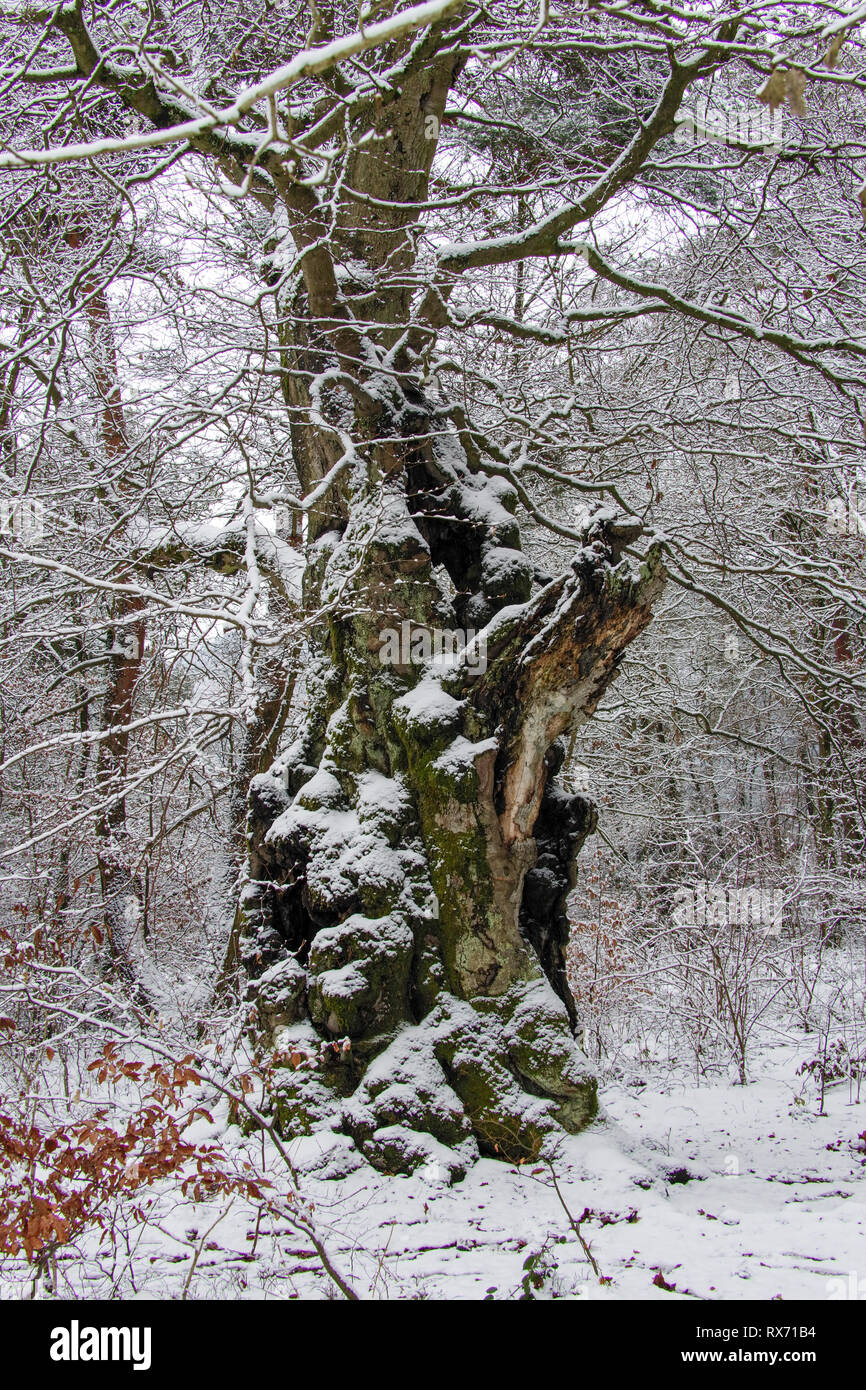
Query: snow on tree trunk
(411, 854)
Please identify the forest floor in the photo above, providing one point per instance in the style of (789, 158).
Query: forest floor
(716, 1191)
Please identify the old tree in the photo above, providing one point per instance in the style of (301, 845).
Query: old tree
(409, 848)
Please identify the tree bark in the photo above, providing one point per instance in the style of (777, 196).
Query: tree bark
(410, 856)
(122, 889)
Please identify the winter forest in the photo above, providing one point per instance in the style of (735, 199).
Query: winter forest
(432, 720)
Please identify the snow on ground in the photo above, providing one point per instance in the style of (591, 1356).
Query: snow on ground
(718, 1191)
(768, 1211)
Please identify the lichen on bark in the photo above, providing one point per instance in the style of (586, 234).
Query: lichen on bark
(411, 854)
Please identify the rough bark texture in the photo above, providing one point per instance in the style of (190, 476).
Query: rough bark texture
(411, 855)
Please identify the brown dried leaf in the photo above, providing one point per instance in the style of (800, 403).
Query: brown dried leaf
(772, 93)
(795, 86)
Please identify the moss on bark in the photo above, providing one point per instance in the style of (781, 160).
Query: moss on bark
(411, 854)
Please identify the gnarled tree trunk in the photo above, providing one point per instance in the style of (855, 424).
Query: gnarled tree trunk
(411, 854)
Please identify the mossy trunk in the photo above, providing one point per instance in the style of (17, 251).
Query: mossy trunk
(411, 854)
